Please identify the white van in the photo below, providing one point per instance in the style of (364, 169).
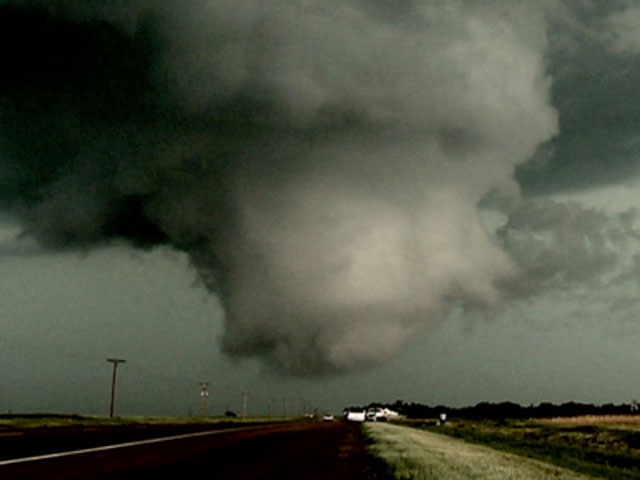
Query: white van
(356, 416)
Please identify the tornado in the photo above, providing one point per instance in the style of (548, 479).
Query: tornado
(322, 163)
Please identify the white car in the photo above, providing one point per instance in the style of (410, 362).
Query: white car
(376, 415)
(327, 417)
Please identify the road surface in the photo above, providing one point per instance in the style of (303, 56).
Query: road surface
(312, 450)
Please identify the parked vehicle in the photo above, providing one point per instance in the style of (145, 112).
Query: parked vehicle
(376, 415)
(356, 416)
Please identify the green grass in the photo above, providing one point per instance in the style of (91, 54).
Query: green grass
(419, 454)
(11, 421)
(605, 450)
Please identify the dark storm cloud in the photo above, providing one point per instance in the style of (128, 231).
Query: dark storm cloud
(559, 246)
(595, 72)
(70, 93)
(321, 163)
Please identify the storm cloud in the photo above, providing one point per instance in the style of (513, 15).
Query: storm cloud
(323, 164)
(593, 60)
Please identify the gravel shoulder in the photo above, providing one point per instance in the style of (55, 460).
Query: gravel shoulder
(418, 454)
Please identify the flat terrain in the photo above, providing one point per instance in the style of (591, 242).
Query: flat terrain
(604, 446)
(420, 454)
(312, 450)
(562, 448)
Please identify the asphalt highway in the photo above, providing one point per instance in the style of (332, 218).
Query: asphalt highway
(304, 450)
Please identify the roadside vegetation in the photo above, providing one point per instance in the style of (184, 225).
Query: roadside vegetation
(600, 446)
(18, 421)
(411, 453)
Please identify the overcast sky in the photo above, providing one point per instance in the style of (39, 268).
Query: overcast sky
(323, 203)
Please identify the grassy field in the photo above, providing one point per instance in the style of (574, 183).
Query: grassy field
(8, 422)
(420, 454)
(600, 446)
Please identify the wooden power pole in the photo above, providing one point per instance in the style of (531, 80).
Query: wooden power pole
(115, 362)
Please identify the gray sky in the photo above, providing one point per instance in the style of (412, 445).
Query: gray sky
(324, 203)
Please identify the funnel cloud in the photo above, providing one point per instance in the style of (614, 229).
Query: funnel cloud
(322, 163)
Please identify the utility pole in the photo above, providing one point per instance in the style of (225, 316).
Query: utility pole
(115, 362)
(245, 400)
(204, 393)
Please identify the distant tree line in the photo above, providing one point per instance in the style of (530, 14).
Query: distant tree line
(496, 411)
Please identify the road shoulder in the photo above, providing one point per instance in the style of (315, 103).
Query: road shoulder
(412, 453)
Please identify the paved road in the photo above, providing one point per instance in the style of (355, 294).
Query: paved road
(286, 451)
